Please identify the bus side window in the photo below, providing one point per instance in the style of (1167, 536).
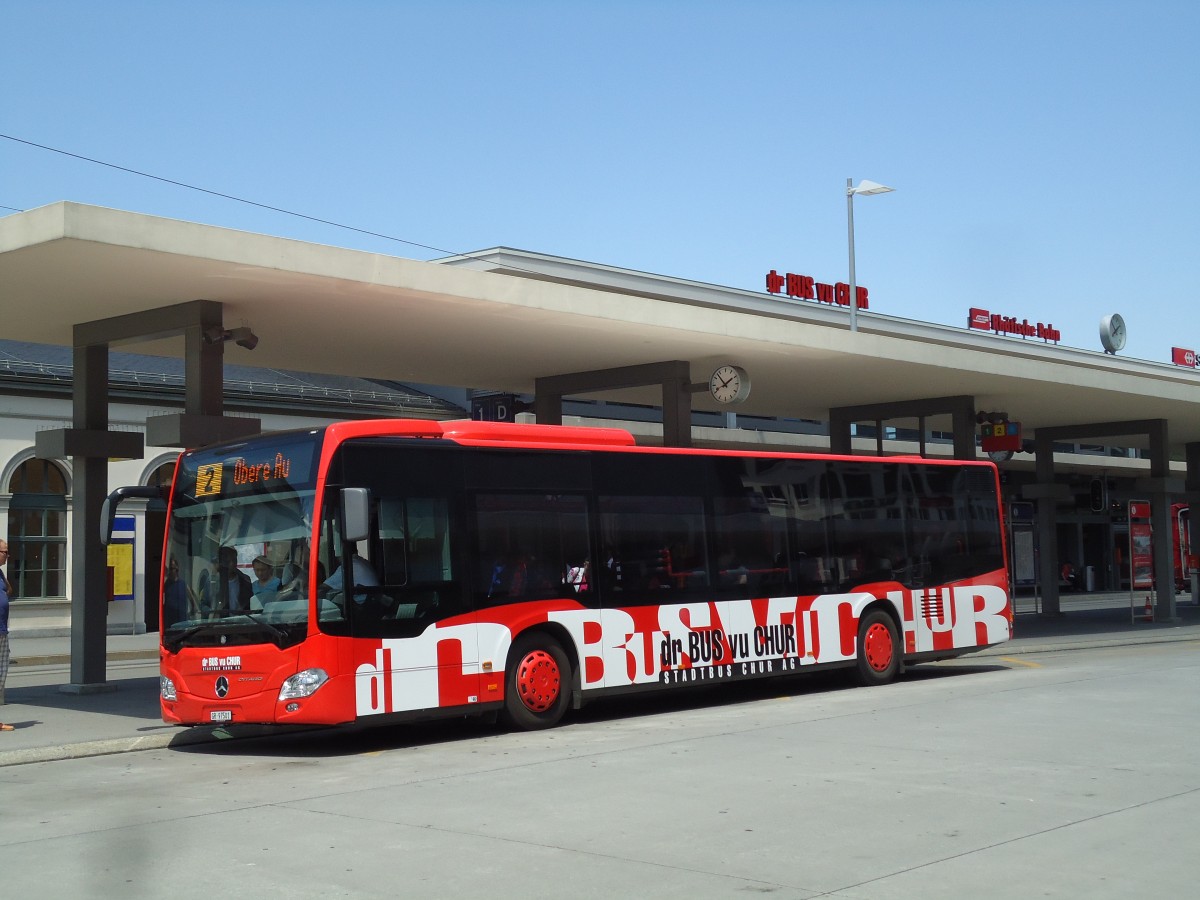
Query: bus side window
(750, 529)
(660, 545)
(954, 523)
(331, 615)
(412, 552)
(865, 510)
(414, 535)
(531, 547)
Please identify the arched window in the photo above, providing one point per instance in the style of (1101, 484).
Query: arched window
(161, 476)
(37, 530)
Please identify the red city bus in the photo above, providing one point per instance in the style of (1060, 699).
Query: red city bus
(409, 569)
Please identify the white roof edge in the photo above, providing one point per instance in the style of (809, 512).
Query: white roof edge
(581, 272)
(86, 223)
(33, 226)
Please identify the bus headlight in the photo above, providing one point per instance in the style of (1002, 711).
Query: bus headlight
(303, 684)
(166, 688)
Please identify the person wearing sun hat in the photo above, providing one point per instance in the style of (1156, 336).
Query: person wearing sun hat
(5, 593)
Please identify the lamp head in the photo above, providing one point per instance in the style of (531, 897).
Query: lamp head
(870, 187)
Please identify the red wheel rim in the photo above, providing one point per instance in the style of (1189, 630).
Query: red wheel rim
(538, 681)
(877, 647)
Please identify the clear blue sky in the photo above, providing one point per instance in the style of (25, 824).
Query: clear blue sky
(1043, 153)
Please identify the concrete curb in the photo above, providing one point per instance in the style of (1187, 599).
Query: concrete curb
(1044, 645)
(64, 659)
(84, 749)
(175, 740)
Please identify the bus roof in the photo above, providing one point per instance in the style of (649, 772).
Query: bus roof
(472, 433)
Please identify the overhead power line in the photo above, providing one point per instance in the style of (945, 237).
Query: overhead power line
(192, 187)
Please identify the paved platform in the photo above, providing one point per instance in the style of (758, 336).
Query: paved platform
(52, 723)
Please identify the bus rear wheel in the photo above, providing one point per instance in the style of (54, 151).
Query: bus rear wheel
(537, 683)
(878, 649)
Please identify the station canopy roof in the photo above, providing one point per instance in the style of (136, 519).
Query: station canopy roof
(501, 318)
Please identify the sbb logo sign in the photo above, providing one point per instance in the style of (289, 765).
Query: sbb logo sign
(1182, 357)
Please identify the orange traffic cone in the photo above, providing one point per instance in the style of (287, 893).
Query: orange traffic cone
(1149, 614)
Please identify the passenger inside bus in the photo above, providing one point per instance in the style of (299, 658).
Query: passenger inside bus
(729, 568)
(580, 577)
(227, 589)
(509, 577)
(294, 580)
(811, 573)
(364, 577)
(266, 583)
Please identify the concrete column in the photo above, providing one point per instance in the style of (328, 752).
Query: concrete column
(840, 424)
(1160, 522)
(89, 570)
(547, 407)
(204, 380)
(963, 417)
(1047, 535)
(677, 413)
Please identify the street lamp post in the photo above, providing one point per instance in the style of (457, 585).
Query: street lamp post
(864, 187)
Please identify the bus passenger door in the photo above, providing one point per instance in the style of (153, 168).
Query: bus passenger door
(413, 646)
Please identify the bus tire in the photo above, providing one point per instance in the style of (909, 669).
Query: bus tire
(537, 684)
(878, 649)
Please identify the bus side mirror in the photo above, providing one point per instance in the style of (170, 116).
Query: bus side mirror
(356, 514)
(108, 511)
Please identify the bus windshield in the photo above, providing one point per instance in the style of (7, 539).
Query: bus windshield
(238, 542)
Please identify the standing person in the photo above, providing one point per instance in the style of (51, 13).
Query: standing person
(235, 590)
(5, 593)
(228, 588)
(177, 596)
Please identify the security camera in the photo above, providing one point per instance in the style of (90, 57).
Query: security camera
(244, 337)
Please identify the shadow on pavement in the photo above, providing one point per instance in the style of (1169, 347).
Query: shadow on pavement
(135, 698)
(353, 740)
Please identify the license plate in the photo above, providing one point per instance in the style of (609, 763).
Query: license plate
(221, 715)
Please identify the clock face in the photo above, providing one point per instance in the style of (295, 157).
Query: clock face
(729, 384)
(1112, 333)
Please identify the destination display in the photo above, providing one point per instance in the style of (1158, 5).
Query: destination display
(283, 465)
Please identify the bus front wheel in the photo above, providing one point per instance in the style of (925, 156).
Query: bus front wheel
(537, 684)
(878, 649)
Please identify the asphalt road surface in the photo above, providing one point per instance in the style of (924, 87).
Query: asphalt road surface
(1069, 774)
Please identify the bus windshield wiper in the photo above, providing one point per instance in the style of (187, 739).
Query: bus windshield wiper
(280, 636)
(174, 642)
